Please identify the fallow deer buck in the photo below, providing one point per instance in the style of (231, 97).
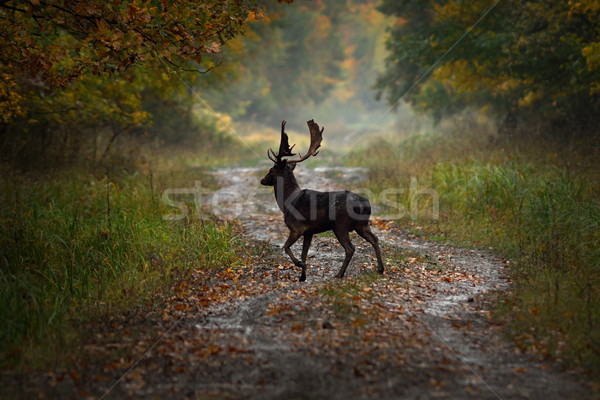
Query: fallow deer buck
(308, 212)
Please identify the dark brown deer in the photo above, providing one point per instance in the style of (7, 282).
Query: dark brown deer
(308, 212)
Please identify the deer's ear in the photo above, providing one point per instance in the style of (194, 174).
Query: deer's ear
(292, 166)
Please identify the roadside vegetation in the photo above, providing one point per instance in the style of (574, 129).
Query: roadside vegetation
(99, 115)
(536, 203)
(513, 156)
(76, 246)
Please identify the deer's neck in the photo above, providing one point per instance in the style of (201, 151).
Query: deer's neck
(285, 188)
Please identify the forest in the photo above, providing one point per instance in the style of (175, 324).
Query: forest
(141, 256)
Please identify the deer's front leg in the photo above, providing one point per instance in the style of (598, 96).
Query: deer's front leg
(306, 245)
(288, 243)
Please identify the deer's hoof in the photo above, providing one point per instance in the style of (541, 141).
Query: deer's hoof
(380, 271)
(302, 277)
(338, 276)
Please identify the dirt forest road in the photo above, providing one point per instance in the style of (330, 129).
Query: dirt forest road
(420, 331)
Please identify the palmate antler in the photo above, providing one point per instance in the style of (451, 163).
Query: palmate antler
(316, 136)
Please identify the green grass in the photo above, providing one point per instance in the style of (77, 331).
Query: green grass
(542, 210)
(74, 246)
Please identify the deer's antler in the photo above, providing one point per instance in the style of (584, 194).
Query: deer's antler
(316, 136)
(284, 146)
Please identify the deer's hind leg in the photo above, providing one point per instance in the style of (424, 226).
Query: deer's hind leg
(343, 236)
(292, 238)
(365, 232)
(305, 246)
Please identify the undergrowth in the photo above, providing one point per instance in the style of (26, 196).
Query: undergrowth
(74, 246)
(537, 203)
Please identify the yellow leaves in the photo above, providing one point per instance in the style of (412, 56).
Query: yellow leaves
(350, 64)
(448, 10)
(469, 78)
(330, 81)
(323, 26)
(265, 90)
(257, 16)
(460, 75)
(591, 52)
(10, 99)
(583, 6)
(139, 117)
(528, 99)
(102, 26)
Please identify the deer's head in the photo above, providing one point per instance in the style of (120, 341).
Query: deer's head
(279, 170)
(283, 166)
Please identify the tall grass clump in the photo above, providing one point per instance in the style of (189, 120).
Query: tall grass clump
(541, 212)
(549, 221)
(74, 246)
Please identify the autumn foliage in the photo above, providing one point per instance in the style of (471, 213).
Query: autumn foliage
(58, 41)
(77, 76)
(523, 62)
